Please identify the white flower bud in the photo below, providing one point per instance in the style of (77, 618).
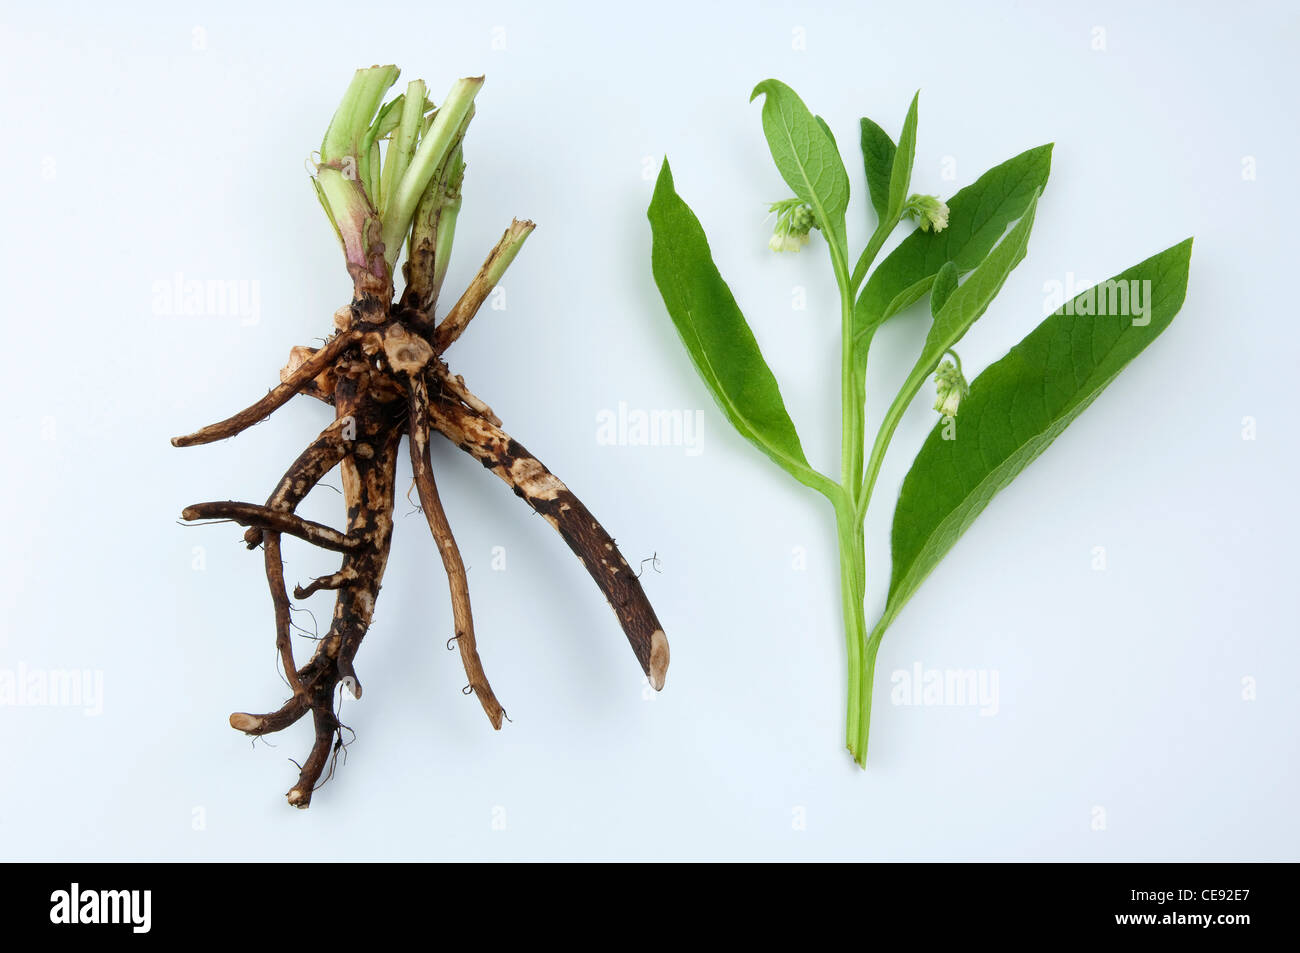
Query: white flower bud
(929, 211)
(951, 388)
(794, 221)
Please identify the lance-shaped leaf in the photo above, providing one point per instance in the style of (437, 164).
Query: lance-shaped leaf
(963, 305)
(945, 283)
(900, 175)
(806, 156)
(977, 217)
(716, 335)
(878, 158)
(826, 128)
(1020, 404)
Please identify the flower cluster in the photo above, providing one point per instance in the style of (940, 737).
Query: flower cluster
(951, 388)
(794, 220)
(929, 211)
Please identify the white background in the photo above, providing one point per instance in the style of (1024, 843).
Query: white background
(170, 140)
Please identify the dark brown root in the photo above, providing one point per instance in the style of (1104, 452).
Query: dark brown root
(368, 458)
(335, 580)
(422, 466)
(286, 715)
(321, 456)
(453, 385)
(327, 727)
(378, 376)
(546, 494)
(260, 517)
(280, 599)
(308, 371)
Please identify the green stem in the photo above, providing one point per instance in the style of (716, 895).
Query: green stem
(849, 515)
(862, 676)
(447, 219)
(402, 146)
(874, 244)
(848, 518)
(851, 424)
(852, 571)
(866, 678)
(429, 154)
(886, 432)
(861, 354)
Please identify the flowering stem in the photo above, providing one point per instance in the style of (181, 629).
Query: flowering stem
(886, 432)
(853, 495)
(874, 244)
(852, 579)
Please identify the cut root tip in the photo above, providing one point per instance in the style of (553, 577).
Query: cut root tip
(658, 659)
(249, 724)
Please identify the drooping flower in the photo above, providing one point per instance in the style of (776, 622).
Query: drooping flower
(951, 388)
(929, 211)
(794, 220)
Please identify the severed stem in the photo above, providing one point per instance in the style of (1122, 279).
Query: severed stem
(422, 465)
(463, 311)
(433, 231)
(436, 143)
(275, 398)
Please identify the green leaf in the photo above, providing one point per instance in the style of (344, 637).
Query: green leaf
(900, 176)
(1021, 404)
(977, 217)
(945, 283)
(716, 336)
(964, 305)
(878, 157)
(806, 156)
(829, 135)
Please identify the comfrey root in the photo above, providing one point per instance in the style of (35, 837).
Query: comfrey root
(383, 373)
